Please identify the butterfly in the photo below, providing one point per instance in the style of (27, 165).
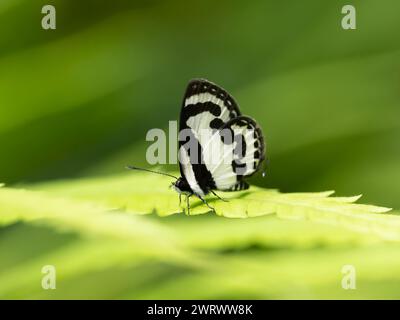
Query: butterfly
(218, 147)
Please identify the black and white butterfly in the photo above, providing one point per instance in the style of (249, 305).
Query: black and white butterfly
(218, 147)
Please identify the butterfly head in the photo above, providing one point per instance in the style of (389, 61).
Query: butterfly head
(181, 186)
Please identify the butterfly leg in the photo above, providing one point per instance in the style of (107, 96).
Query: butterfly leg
(188, 204)
(218, 196)
(205, 202)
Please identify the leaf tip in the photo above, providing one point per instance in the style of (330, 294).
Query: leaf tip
(355, 198)
(385, 209)
(327, 193)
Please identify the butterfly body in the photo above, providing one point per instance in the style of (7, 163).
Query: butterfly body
(218, 147)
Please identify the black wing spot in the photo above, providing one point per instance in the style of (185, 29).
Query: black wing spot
(192, 110)
(238, 167)
(217, 123)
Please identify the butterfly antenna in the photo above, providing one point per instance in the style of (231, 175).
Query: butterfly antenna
(152, 171)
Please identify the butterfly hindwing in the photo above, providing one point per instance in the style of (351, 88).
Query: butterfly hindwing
(237, 151)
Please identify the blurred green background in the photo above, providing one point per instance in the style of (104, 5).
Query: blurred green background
(77, 101)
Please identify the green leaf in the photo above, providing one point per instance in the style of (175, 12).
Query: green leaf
(200, 250)
(92, 221)
(144, 193)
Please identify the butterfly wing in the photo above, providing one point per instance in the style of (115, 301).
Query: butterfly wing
(237, 151)
(206, 107)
